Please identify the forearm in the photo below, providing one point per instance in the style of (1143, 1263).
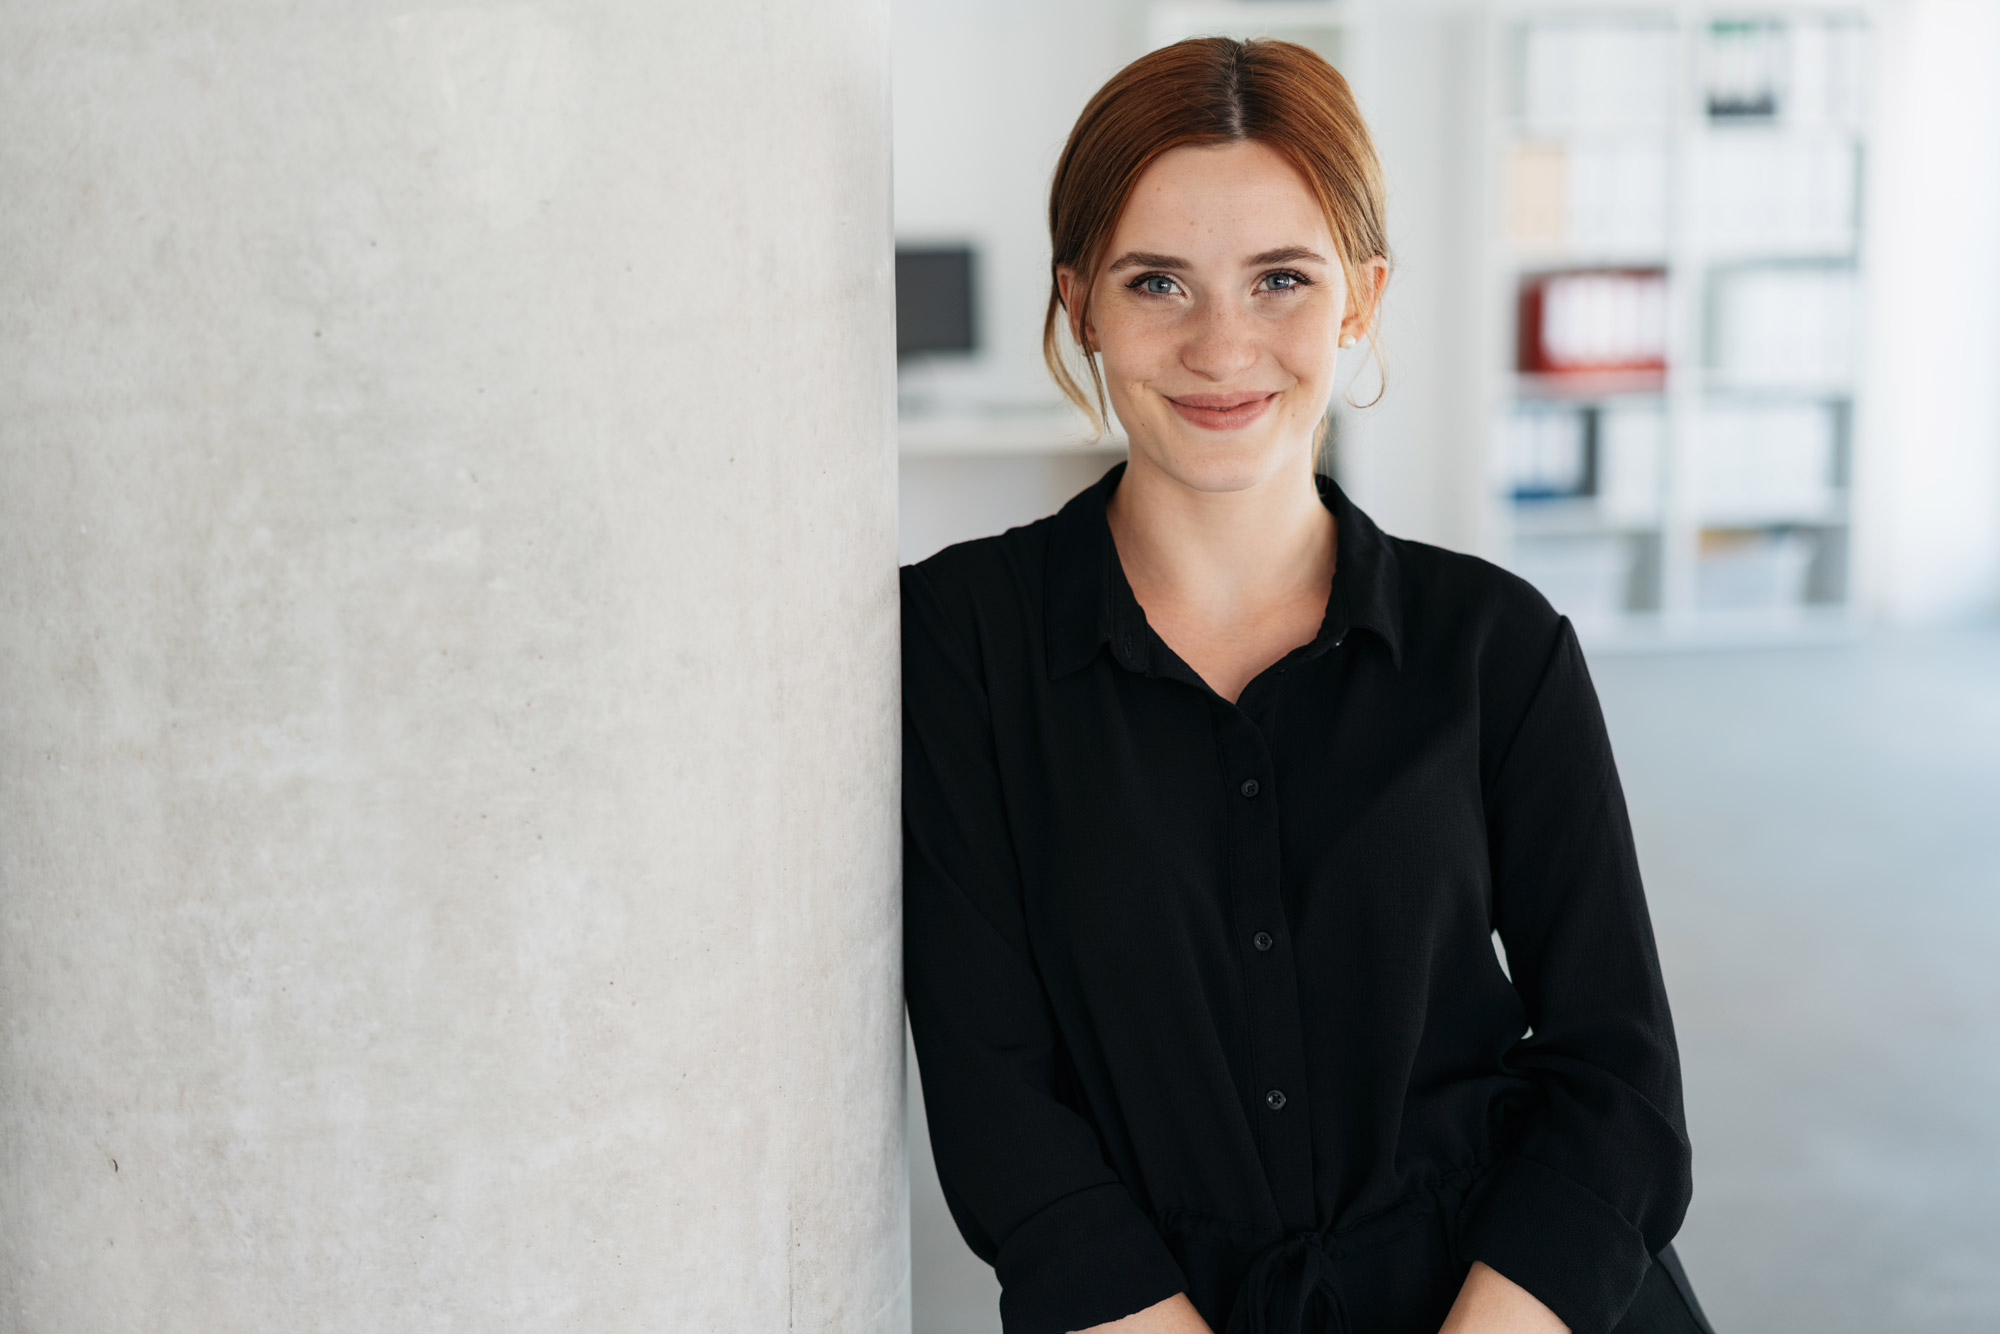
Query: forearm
(1175, 1315)
(1491, 1303)
(1488, 1303)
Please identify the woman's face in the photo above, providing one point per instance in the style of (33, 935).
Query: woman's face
(1218, 314)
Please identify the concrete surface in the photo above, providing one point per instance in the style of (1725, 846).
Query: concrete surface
(1820, 832)
(448, 718)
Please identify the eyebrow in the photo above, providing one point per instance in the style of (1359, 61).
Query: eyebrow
(1146, 259)
(1287, 254)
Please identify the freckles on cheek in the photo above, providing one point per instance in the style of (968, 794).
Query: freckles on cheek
(1310, 357)
(1314, 334)
(1134, 350)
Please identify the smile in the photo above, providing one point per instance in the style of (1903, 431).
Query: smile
(1222, 412)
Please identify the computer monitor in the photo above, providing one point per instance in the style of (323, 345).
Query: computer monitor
(934, 311)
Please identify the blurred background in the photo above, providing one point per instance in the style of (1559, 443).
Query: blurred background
(1695, 323)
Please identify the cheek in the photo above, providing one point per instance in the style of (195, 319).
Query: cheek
(1307, 343)
(1133, 345)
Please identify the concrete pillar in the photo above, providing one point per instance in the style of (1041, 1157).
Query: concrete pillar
(448, 728)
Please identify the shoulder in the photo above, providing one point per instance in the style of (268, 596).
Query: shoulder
(1443, 612)
(974, 590)
(1471, 628)
(1451, 598)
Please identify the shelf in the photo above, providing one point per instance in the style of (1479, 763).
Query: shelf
(1763, 254)
(1579, 517)
(1583, 517)
(1529, 258)
(1832, 514)
(1002, 434)
(1815, 386)
(1774, 627)
(1583, 386)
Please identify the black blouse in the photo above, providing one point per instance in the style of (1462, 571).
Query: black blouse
(1205, 995)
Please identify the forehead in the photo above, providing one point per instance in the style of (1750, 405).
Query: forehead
(1222, 201)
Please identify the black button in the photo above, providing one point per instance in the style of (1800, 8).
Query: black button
(1262, 940)
(1126, 644)
(1275, 1100)
(1249, 788)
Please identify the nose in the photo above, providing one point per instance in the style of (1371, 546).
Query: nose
(1221, 341)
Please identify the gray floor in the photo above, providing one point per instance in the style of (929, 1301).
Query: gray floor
(1820, 830)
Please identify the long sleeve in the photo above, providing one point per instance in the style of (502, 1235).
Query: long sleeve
(1599, 1178)
(1023, 1172)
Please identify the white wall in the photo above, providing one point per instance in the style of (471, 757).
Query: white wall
(448, 719)
(1412, 461)
(985, 95)
(1931, 481)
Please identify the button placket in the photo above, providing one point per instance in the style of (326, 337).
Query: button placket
(1277, 1036)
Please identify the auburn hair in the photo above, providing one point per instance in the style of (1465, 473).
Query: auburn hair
(1200, 92)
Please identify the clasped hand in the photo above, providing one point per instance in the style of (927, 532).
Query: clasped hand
(1488, 1303)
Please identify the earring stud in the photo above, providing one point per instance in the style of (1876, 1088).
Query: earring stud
(1347, 340)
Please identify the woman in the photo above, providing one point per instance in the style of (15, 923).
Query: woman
(1215, 797)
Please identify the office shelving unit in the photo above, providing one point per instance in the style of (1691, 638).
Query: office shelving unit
(1669, 262)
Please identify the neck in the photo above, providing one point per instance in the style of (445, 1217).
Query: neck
(1229, 554)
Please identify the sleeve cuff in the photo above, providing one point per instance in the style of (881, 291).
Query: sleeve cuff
(1575, 1253)
(1087, 1259)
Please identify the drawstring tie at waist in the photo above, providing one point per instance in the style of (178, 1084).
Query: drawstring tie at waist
(1310, 1265)
(1261, 1289)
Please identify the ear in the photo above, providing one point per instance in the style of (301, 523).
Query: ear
(1360, 318)
(1070, 286)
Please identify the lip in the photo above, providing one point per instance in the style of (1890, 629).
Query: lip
(1222, 412)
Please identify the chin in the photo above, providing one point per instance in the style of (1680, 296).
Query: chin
(1214, 461)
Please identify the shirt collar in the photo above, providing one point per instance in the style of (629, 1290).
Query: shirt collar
(1088, 603)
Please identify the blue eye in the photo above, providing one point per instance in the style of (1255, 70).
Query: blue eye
(1285, 280)
(1154, 284)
